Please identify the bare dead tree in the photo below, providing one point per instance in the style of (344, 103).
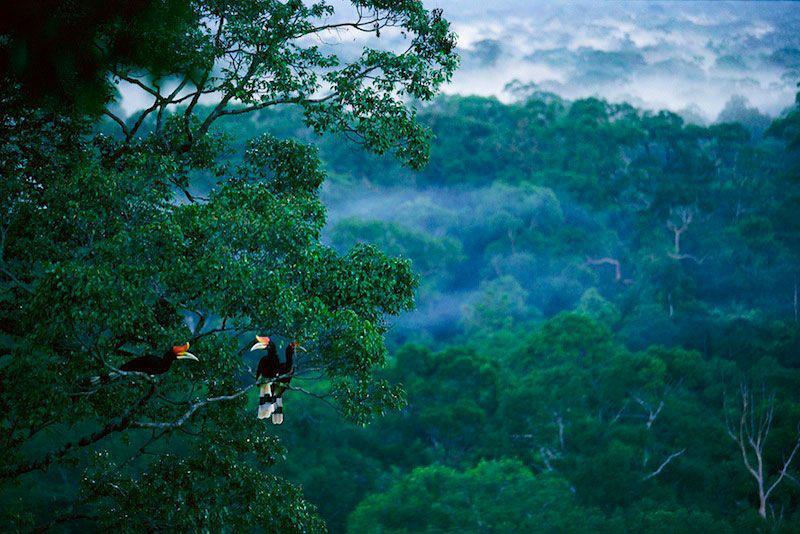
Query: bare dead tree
(548, 455)
(755, 423)
(652, 413)
(685, 216)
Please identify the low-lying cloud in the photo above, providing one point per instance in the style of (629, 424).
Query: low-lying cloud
(694, 55)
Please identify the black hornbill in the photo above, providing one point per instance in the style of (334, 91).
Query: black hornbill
(267, 368)
(155, 365)
(150, 364)
(285, 371)
(270, 401)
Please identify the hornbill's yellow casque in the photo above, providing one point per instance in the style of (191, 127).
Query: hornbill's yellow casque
(267, 368)
(154, 365)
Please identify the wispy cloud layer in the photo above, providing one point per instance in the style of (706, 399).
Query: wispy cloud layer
(673, 55)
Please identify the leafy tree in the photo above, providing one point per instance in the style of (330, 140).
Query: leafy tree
(500, 496)
(499, 305)
(60, 53)
(109, 251)
(738, 110)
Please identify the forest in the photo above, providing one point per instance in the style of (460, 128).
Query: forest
(607, 314)
(543, 315)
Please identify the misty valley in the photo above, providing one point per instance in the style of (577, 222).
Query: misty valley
(370, 266)
(599, 288)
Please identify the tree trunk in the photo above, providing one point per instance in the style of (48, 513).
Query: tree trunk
(669, 302)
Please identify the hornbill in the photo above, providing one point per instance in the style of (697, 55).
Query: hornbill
(150, 364)
(270, 402)
(285, 371)
(154, 365)
(268, 367)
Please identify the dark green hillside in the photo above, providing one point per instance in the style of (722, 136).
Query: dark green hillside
(598, 285)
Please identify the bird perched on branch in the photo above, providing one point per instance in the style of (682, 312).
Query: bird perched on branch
(150, 364)
(268, 367)
(278, 376)
(154, 365)
(285, 371)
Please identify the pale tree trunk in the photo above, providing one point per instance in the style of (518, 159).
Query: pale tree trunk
(686, 216)
(751, 436)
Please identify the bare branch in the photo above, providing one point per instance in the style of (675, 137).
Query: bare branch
(698, 261)
(664, 464)
(652, 415)
(137, 82)
(786, 464)
(190, 412)
(754, 427)
(118, 121)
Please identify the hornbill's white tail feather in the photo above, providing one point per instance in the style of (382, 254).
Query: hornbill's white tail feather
(266, 401)
(277, 417)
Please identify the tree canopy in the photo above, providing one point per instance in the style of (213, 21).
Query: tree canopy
(107, 254)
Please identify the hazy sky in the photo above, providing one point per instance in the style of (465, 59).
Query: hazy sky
(673, 55)
(655, 54)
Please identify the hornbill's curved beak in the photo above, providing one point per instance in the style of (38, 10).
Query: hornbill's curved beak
(263, 342)
(183, 353)
(298, 347)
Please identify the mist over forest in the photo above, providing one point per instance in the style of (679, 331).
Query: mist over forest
(685, 57)
(555, 232)
(394, 267)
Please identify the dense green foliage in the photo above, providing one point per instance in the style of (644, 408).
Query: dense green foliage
(613, 396)
(105, 255)
(606, 336)
(59, 53)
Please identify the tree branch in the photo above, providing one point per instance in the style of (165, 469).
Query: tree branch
(118, 120)
(111, 427)
(786, 464)
(190, 412)
(664, 464)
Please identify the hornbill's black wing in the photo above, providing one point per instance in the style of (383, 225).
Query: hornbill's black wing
(285, 371)
(269, 365)
(146, 364)
(287, 367)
